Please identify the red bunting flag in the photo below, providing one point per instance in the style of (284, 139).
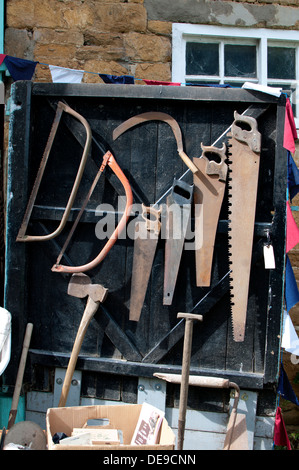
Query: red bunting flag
(280, 433)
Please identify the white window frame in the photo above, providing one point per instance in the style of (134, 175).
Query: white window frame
(262, 37)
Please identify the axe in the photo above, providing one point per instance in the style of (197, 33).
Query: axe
(80, 286)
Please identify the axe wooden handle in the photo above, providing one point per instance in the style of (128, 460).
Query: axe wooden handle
(90, 310)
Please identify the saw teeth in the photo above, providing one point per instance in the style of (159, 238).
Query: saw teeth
(243, 168)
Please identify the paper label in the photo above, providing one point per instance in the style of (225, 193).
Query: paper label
(269, 257)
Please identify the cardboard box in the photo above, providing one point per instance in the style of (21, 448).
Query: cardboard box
(120, 417)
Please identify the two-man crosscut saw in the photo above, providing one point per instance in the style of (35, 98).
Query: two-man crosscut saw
(244, 156)
(209, 188)
(147, 231)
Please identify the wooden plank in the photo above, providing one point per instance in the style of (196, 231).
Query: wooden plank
(137, 369)
(151, 92)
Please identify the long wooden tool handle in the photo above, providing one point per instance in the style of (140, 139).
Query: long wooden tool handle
(90, 310)
(20, 375)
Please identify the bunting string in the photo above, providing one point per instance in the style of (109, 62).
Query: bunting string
(24, 69)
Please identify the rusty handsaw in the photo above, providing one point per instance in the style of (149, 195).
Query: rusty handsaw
(157, 116)
(22, 236)
(147, 232)
(178, 213)
(209, 188)
(244, 156)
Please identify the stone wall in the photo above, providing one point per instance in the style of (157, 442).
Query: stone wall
(123, 36)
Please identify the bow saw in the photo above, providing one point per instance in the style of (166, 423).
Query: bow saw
(108, 159)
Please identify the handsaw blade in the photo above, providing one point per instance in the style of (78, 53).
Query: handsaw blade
(178, 216)
(209, 188)
(145, 244)
(243, 185)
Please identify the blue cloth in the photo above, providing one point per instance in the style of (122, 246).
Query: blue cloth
(293, 176)
(125, 79)
(20, 69)
(284, 387)
(291, 288)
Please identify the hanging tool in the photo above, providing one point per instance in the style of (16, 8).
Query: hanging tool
(20, 375)
(189, 319)
(245, 146)
(109, 160)
(178, 213)
(22, 236)
(147, 233)
(236, 433)
(80, 286)
(157, 116)
(209, 188)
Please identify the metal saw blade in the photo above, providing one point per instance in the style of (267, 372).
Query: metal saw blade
(243, 184)
(177, 225)
(145, 244)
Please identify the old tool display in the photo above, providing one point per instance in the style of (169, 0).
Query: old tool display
(245, 146)
(147, 233)
(111, 162)
(178, 213)
(80, 286)
(22, 236)
(209, 188)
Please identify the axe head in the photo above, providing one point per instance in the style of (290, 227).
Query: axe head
(81, 286)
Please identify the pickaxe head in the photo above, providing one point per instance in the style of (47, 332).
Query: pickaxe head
(81, 286)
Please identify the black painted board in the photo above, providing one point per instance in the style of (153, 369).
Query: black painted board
(147, 155)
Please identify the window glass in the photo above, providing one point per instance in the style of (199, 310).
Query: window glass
(281, 63)
(240, 61)
(202, 58)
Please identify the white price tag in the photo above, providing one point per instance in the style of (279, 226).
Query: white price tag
(269, 257)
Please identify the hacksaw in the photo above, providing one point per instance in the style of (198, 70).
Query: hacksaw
(209, 188)
(244, 150)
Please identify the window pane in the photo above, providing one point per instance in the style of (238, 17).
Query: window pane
(281, 62)
(240, 61)
(202, 59)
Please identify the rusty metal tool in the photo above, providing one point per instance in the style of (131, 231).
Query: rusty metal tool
(189, 320)
(109, 160)
(158, 116)
(178, 213)
(81, 286)
(209, 188)
(245, 147)
(20, 375)
(22, 236)
(147, 232)
(236, 432)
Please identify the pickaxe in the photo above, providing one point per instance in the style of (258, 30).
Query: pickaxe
(80, 286)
